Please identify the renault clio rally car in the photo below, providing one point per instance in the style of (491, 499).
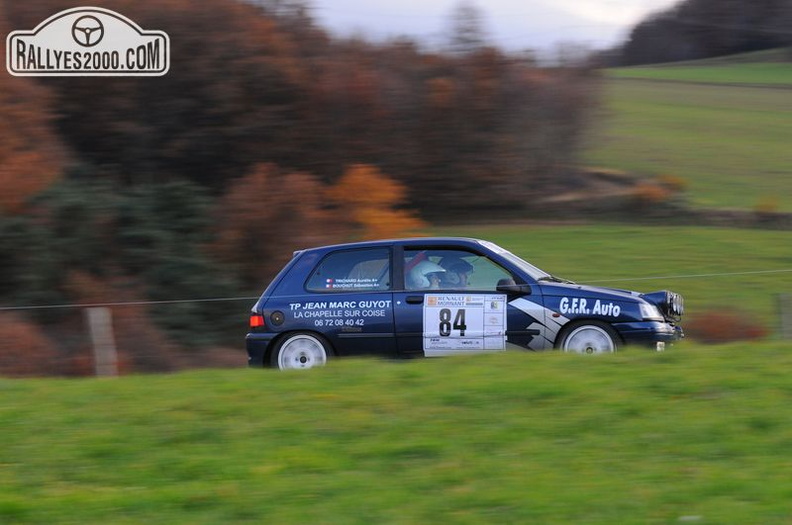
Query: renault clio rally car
(441, 296)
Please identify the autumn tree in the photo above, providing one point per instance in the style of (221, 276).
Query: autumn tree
(695, 29)
(31, 154)
(371, 203)
(228, 101)
(462, 131)
(265, 216)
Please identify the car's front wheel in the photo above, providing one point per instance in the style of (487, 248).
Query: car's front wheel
(300, 350)
(589, 338)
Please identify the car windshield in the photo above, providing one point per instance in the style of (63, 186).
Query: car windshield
(525, 266)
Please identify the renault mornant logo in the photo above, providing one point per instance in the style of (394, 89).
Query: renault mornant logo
(87, 41)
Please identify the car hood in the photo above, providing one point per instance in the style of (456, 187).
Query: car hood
(584, 290)
(671, 304)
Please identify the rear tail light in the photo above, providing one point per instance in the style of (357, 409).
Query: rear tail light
(256, 321)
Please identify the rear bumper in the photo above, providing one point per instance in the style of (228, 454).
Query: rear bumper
(649, 333)
(257, 346)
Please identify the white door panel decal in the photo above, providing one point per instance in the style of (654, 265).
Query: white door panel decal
(458, 323)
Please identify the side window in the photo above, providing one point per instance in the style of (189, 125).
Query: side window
(441, 269)
(352, 270)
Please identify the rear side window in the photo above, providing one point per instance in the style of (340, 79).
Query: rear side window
(352, 271)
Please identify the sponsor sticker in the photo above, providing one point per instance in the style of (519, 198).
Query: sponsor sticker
(87, 41)
(580, 305)
(460, 322)
(340, 314)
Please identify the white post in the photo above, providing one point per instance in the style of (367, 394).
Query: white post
(100, 324)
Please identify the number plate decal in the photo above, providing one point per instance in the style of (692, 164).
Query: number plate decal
(454, 323)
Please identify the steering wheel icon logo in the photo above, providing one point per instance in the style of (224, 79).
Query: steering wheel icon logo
(87, 31)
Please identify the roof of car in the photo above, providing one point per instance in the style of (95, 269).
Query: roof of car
(418, 241)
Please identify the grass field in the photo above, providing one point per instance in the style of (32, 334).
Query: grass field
(723, 127)
(690, 435)
(762, 74)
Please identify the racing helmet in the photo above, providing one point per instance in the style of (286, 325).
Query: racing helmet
(419, 276)
(457, 270)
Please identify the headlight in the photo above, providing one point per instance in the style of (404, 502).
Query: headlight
(676, 304)
(650, 312)
(671, 304)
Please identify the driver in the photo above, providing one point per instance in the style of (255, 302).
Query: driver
(457, 272)
(425, 275)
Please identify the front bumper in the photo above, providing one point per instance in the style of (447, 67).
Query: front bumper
(651, 334)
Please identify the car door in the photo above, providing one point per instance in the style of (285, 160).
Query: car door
(449, 303)
(531, 326)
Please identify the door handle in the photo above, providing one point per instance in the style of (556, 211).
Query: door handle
(414, 299)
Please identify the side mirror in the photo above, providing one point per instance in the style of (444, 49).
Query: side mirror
(515, 289)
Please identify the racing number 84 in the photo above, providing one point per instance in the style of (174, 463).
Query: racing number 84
(459, 322)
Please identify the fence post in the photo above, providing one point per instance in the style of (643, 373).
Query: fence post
(100, 324)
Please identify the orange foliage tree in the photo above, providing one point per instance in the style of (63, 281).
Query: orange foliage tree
(479, 131)
(370, 201)
(264, 217)
(31, 156)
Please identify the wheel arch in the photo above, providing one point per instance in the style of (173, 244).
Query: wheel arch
(577, 323)
(276, 342)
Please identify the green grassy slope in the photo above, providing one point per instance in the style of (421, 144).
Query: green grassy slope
(635, 438)
(724, 128)
(762, 75)
(772, 67)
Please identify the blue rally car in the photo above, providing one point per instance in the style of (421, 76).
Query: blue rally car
(440, 296)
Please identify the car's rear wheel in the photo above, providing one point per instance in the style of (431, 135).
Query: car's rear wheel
(300, 350)
(589, 338)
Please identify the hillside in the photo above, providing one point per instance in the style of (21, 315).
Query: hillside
(767, 56)
(761, 68)
(722, 126)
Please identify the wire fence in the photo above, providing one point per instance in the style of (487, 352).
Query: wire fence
(254, 298)
(691, 276)
(127, 303)
(104, 360)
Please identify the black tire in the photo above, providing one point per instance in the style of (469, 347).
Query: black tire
(589, 337)
(300, 350)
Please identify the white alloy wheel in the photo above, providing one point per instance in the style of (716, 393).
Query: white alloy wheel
(590, 339)
(300, 350)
